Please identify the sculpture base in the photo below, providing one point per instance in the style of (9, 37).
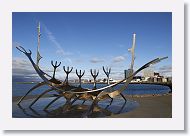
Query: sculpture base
(61, 109)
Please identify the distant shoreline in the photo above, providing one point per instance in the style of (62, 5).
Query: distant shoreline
(26, 82)
(16, 98)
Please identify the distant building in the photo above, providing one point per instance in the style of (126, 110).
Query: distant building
(71, 81)
(169, 79)
(99, 80)
(112, 80)
(76, 81)
(164, 79)
(156, 74)
(84, 80)
(151, 76)
(137, 79)
(127, 73)
(159, 79)
(150, 79)
(148, 72)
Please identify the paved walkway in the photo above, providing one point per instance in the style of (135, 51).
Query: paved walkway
(150, 107)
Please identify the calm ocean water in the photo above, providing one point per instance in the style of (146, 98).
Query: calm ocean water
(21, 89)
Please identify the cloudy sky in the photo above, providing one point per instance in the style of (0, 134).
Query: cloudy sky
(91, 40)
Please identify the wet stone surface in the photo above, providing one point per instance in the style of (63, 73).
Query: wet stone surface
(61, 109)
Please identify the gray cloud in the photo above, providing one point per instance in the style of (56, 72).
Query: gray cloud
(96, 60)
(118, 59)
(22, 70)
(79, 61)
(165, 70)
(21, 67)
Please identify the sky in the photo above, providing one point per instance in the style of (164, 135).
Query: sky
(90, 40)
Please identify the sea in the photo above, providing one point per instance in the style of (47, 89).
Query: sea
(20, 89)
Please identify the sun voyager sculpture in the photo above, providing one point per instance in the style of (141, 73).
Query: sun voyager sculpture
(72, 93)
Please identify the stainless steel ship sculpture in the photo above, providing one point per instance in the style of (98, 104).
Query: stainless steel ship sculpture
(72, 93)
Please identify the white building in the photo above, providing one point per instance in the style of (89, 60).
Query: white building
(148, 72)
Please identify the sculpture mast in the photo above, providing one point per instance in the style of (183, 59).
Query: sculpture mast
(38, 47)
(132, 50)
